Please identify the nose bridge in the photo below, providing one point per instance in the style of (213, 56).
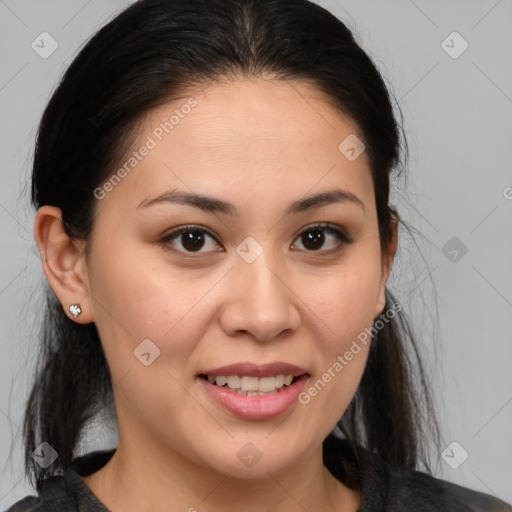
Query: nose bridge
(262, 303)
(264, 288)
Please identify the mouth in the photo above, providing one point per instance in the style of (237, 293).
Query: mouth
(249, 379)
(247, 385)
(254, 392)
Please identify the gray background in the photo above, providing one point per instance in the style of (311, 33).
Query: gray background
(457, 115)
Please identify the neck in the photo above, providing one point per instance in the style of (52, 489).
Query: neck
(137, 476)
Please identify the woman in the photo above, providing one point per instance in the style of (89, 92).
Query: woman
(211, 181)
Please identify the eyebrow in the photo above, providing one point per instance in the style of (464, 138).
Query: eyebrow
(213, 205)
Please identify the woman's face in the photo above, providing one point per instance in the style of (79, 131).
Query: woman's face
(250, 282)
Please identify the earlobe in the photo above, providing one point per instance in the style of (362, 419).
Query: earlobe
(63, 264)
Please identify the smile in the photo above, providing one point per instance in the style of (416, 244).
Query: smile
(252, 404)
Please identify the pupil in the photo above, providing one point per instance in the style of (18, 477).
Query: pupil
(313, 239)
(192, 240)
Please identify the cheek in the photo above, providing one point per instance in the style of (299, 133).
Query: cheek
(340, 363)
(137, 301)
(345, 299)
(344, 305)
(144, 293)
(140, 303)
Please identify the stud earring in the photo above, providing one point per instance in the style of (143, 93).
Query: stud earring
(75, 309)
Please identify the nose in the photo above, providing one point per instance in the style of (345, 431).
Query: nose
(261, 301)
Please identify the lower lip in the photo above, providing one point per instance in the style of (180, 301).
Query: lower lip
(255, 407)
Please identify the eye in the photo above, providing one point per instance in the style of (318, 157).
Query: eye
(314, 237)
(191, 238)
(194, 238)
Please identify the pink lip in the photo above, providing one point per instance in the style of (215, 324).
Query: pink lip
(254, 370)
(255, 407)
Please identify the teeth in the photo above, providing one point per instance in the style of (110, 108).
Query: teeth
(253, 393)
(250, 383)
(221, 380)
(279, 381)
(251, 386)
(267, 384)
(233, 382)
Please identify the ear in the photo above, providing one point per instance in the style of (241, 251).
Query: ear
(63, 262)
(387, 260)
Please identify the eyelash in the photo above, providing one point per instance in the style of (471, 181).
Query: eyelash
(340, 234)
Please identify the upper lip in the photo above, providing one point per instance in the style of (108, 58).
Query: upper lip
(256, 370)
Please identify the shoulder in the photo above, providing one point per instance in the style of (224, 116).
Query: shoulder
(388, 488)
(26, 504)
(415, 490)
(384, 487)
(68, 492)
(53, 496)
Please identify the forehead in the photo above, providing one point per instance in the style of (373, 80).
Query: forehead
(269, 137)
(258, 114)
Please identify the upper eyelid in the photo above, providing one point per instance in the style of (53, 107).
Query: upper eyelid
(190, 227)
